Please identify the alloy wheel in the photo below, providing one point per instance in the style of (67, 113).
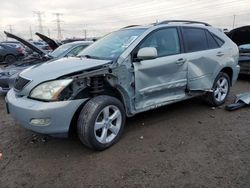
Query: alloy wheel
(108, 124)
(221, 89)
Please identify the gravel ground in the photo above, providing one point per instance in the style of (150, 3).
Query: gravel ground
(187, 144)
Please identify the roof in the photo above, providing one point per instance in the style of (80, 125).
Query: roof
(80, 42)
(170, 23)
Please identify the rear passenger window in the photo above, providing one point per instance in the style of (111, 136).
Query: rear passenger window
(195, 39)
(211, 41)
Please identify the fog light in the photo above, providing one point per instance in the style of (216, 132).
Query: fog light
(40, 122)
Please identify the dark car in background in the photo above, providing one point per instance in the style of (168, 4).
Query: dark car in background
(10, 73)
(244, 59)
(241, 36)
(19, 46)
(9, 53)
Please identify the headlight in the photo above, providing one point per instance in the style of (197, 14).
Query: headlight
(49, 91)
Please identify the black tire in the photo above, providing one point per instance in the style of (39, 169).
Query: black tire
(210, 97)
(9, 59)
(88, 116)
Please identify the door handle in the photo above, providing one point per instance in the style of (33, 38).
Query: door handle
(180, 61)
(219, 54)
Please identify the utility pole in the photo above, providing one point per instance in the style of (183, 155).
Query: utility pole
(85, 34)
(59, 30)
(39, 19)
(234, 20)
(10, 28)
(48, 33)
(31, 35)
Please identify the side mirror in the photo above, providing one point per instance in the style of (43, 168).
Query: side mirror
(70, 55)
(147, 53)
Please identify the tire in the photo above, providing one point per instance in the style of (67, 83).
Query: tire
(101, 116)
(221, 89)
(9, 59)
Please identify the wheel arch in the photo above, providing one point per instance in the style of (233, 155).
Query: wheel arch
(110, 91)
(9, 55)
(229, 72)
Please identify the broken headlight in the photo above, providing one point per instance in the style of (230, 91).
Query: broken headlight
(49, 91)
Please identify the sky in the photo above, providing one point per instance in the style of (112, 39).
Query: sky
(99, 17)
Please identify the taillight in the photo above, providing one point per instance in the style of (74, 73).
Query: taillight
(20, 50)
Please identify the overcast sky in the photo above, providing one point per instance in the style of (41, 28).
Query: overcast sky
(101, 16)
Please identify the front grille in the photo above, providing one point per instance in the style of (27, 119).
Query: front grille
(20, 83)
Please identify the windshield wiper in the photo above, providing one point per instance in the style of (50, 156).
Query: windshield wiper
(89, 57)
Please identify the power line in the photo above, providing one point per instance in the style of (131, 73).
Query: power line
(234, 20)
(39, 19)
(85, 34)
(11, 28)
(59, 30)
(48, 32)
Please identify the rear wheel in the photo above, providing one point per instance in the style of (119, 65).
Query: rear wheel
(9, 59)
(101, 122)
(221, 90)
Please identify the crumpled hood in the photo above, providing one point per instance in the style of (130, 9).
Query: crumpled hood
(54, 69)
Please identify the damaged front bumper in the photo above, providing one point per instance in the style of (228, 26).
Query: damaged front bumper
(42, 117)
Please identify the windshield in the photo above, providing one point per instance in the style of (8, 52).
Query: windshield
(61, 49)
(112, 45)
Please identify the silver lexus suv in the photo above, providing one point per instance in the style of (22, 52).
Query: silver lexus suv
(132, 70)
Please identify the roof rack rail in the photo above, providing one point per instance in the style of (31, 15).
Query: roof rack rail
(130, 26)
(184, 21)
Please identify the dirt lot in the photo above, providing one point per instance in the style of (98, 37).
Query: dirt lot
(187, 144)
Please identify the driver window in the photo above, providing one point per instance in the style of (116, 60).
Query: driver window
(76, 50)
(166, 42)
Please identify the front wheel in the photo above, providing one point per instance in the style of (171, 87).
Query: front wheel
(220, 92)
(101, 122)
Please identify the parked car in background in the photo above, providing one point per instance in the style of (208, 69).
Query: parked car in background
(244, 59)
(9, 73)
(42, 45)
(19, 46)
(10, 53)
(129, 71)
(241, 36)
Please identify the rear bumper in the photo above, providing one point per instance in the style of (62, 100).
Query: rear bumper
(59, 114)
(244, 67)
(235, 74)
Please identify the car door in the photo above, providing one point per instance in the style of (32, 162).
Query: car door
(164, 78)
(203, 57)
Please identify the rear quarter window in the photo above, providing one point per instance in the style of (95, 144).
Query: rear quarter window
(218, 40)
(212, 43)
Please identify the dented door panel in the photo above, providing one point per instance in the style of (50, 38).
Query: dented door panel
(159, 80)
(201, 69)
